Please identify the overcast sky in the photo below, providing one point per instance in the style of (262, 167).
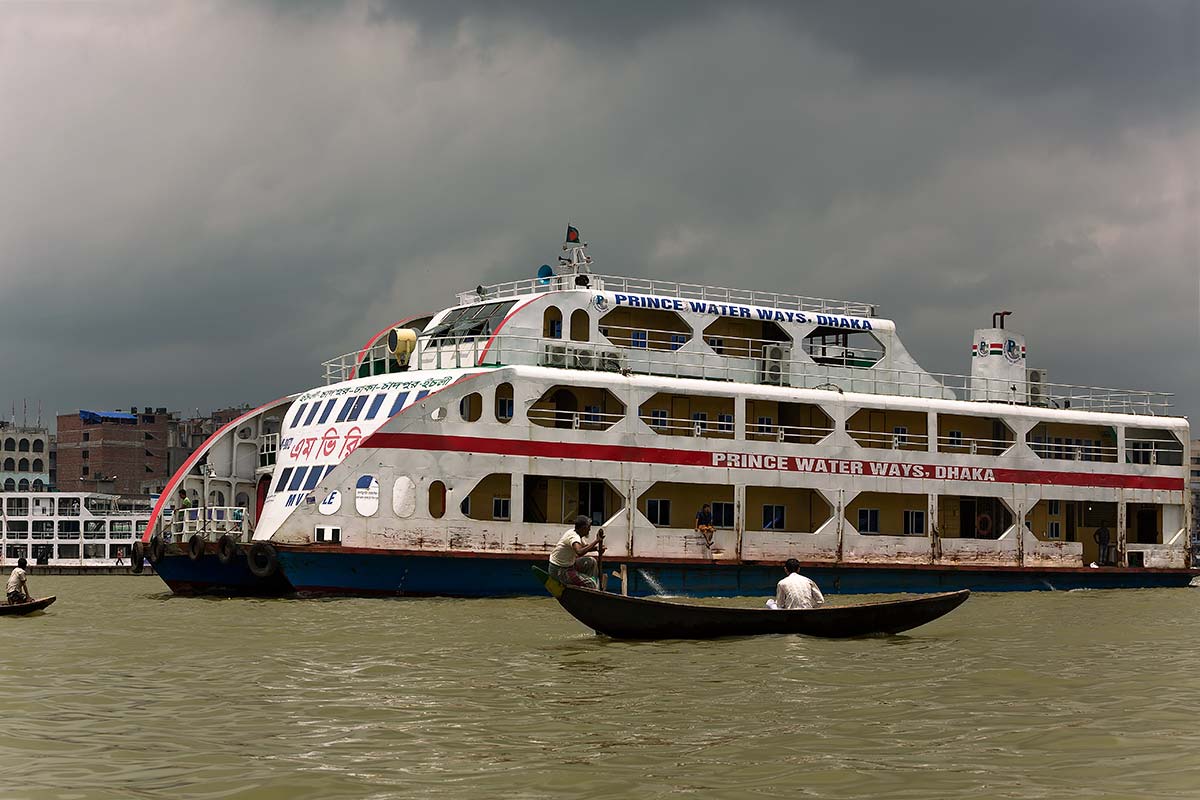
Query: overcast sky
(202, 201)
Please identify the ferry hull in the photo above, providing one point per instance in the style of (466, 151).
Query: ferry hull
(382, 573)
(208, 576)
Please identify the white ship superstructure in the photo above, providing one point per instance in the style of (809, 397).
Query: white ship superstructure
(70, 529)
(804, 423)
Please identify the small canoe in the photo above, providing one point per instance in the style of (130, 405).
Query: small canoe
(17, 609)
(641, 618)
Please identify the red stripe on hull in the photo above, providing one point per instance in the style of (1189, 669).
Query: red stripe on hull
(704, 458)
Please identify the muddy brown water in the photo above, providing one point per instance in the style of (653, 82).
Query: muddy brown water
(121, 690)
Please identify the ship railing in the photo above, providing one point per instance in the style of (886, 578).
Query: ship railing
(673, 289)
(1075, 451)
(1168, 452)
(890, 440)
(792, 371)
(683, 426)
(793, 434)
(973, 445)
(574, 420)
(210, 522)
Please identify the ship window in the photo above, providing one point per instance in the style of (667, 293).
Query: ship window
(297, 478)
(956, 438)
(464, 324)
(471, 407)
(283, 478)
(773, 517)
(404, 497)
(591, 413)
(398, 404)
(1054, 530)
(868, 520)
(1053, 507)
(328, 533)
(914, 522)
(900, 435)
(725, 423)
(581, 324)
(699, 422)
(437, 499)
(326, 410)
(678, 340)
(68, 526)
(360, 403)
(299, 414)
(68, 551)
(376, 404)
(658, 417)
(638, 339)
(366, 495)
(658, 512)
(552, 323)
(765, 425)
(504, 402)
(843, 347)
(345, 411)
(314, 477)
(717, 344)
(500, 508)
(722, 515)
(312, 413)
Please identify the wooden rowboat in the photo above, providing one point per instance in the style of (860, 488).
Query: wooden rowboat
(640, 618)
(17, 609)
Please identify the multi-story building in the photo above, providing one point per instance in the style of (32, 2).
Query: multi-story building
(24, 458)
(112, 451)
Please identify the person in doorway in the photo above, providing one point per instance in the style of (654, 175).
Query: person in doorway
(795, 590)
(704, 524)
(1101, 537)
(184, 500)
(570, 563)
(18, 584)
(120, 557)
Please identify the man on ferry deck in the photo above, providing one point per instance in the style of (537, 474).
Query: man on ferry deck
(795, 591)
(569, 562)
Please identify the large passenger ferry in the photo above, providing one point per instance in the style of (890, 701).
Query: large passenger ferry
(84, 530)
(452, 451)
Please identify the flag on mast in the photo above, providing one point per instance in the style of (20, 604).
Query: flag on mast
(572, 235)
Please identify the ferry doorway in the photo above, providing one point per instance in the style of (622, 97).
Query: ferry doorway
(1146, 530)
(591, 501)
(1071, 522)
(264, 483)
(966, 519)
(565, 407)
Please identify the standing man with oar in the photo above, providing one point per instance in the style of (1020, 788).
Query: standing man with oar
(569, 562)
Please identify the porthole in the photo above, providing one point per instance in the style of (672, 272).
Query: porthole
(366, 495)
(437, 499)
(404, 497)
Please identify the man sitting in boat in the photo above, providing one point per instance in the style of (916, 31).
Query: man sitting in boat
(569, 562)
(18, 587)
(795, 591)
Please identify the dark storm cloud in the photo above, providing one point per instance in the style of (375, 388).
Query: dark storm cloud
(205, 201)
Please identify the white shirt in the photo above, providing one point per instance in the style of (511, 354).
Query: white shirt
(797, 591)
(563, 554)
(16, 581)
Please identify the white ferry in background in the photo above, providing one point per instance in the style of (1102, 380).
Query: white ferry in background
(452, 450)
(71, 529)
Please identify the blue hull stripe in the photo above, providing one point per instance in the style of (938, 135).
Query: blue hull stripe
(367, 574)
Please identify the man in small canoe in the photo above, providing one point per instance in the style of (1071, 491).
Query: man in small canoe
(570, 563)
(18, 586)
(795, 591)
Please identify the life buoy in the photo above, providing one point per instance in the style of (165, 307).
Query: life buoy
(227, 549)
(195, 547)
(983, 524)
(136, 554)
(158, 549)
(262, 560)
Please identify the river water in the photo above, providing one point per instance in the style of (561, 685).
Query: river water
(121, 690)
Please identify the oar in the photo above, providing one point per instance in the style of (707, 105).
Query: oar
(600, 561)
